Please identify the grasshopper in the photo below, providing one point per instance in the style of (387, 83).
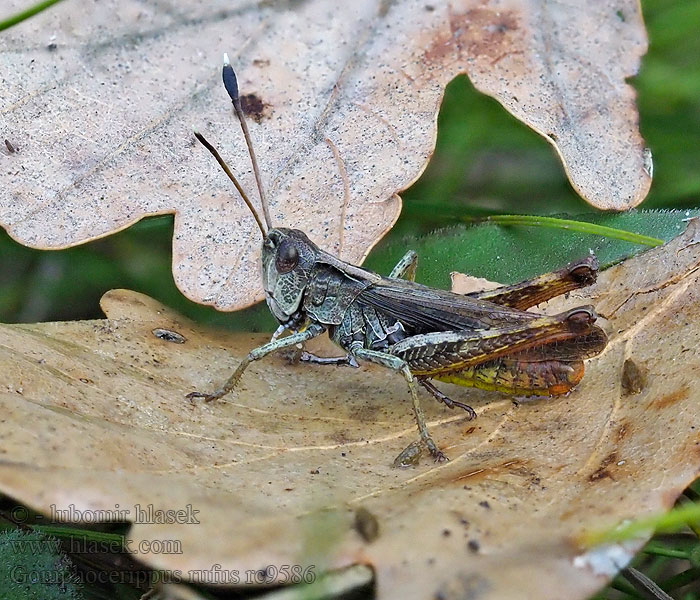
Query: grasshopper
(486, 339)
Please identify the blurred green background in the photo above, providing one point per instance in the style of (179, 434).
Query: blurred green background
(486, 163)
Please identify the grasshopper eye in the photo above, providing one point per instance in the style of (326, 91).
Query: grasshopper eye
(287, 257)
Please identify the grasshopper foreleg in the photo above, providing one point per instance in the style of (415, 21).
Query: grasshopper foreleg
(311, 331)
(398, 364)
(446, 399)
(312, 358)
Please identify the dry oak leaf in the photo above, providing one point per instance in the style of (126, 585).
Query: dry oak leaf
(344, 98)
(95, 415)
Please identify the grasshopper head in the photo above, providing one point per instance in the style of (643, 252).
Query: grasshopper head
(288, 257)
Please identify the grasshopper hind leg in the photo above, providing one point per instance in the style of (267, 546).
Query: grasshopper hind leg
(527, 294)
(446, 399)
(408, 455)
(406, 267)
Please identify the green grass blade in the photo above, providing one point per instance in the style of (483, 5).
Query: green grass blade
(571, 225)
(670, 521)
(26, 14)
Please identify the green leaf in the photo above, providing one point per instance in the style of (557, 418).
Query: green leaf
(508, 254)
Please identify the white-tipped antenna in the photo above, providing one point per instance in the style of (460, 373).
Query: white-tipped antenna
(224, 166)
(231, 85)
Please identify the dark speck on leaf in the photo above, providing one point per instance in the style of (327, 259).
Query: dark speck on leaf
(254, 107)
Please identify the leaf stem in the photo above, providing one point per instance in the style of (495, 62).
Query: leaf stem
(579, 226)
(26, 14)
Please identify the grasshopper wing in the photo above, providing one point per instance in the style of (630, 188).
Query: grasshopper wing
(422, 309)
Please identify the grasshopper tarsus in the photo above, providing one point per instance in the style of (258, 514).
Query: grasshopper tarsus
(441, 397)
(201, 395)
(439, 456)
(469, 410)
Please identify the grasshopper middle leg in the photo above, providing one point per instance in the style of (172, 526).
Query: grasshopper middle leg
(398, 364)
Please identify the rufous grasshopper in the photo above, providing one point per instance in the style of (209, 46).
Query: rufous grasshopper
(486, 339)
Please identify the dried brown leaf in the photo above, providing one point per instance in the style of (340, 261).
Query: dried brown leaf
(343, 98)
(94, 416)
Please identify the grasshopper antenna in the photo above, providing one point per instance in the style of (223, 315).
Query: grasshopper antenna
(224, 166)
(231, 85)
